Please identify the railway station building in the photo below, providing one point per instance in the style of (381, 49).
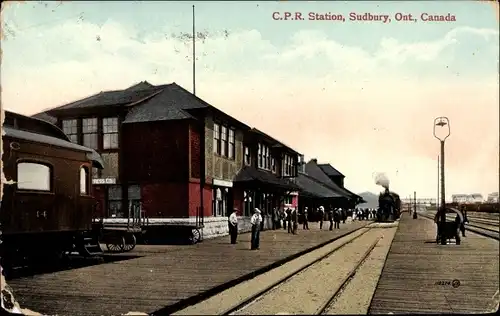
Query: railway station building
(266, 179)
(157, 142)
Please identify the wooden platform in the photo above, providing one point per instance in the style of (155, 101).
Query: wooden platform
(163, 279)
(418, 274)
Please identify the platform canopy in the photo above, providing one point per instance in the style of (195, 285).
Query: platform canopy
(253, 178)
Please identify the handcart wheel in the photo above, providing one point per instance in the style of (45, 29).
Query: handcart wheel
(130, 243)
(117, 246)
(196, 236)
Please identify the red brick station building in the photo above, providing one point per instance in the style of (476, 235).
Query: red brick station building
(172, 157)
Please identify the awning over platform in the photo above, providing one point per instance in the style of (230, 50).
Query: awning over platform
(250, 176)
(314, 189)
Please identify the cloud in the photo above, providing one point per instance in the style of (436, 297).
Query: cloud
(364, 111)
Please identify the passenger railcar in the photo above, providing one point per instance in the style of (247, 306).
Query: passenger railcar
(47, 205)
(389, 208)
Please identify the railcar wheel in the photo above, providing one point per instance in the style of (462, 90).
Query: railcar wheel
(117, 246)
(131, 241)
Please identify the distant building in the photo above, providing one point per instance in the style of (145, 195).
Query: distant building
(474, 198)
(493, 197)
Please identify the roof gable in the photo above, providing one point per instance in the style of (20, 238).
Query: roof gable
(140, 86)
(310, 186)
(272, 139)
(329, 170)
(314, 171)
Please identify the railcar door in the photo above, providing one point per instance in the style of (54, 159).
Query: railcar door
(85, 210)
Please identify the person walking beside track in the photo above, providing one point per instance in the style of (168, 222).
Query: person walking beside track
(255, 221)
(233, 226)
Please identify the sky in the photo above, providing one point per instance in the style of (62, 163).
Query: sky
(357, 94)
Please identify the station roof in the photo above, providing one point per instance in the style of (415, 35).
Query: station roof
(329, 170)
(314, 171)
(251, 175)
(314, 188)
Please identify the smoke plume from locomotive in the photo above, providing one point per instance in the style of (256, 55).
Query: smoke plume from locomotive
(382, 180)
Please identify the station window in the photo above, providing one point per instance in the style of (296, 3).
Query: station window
(34, 176)
(248, 203)
(115, 201)
(110, 133)
(89, 129)
(84, 181)
(217, 143)
(70, 128)
(247, 156)
(220, 201)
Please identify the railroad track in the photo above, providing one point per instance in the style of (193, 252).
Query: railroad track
(310, 270)
(484, 221)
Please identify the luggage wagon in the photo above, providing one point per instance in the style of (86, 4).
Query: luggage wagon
(121, 236)
(451, 228)
(176, 230)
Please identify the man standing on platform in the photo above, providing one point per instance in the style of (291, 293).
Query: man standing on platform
(255, 221)
(295, 220)
(336, 218)
(306, 220)
(233, 226)
(321, 216)
(330, 217)
(289, 220)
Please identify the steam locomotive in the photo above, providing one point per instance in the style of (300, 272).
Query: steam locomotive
(389, 206)
(47, 206)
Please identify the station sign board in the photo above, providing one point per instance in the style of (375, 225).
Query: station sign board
(104, 181)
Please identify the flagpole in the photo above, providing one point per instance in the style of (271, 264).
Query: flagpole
(194, 55)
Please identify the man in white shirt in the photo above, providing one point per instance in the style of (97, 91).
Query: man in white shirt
(255, 221)
(233, 226)
(321, 215)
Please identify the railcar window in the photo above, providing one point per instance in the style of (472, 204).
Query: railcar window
(70, 128)
(84, 181)
(110, 132)
(33, 176)
(89, 129)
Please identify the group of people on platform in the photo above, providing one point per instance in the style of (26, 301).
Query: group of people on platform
(290, 218)
(364, 214)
